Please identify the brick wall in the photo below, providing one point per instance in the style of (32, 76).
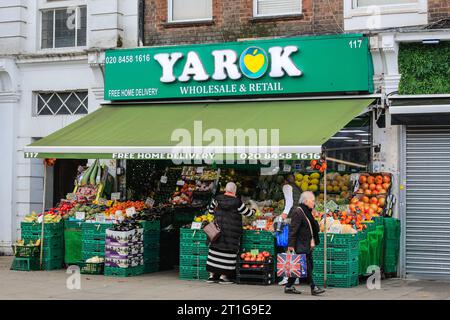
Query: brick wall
(438, 10)
(233, 19)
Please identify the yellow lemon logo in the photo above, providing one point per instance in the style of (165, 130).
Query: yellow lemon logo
(253, 62)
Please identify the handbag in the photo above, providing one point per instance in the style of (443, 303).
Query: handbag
(212, 231)
(313, 242)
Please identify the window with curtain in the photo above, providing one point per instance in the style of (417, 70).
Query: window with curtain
(276, 7)
(190, 10)
(62, 28)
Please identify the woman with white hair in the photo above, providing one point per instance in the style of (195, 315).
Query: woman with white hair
(228, 211)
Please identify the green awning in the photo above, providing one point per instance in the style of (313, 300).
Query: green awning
(290, 126)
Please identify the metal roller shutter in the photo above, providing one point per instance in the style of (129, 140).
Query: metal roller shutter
(428, 202)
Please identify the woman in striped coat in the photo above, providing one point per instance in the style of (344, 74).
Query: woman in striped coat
(228, 211)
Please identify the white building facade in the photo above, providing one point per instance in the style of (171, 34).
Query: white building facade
(51, 74)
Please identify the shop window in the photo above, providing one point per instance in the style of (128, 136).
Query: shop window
(189, 10)
(263, 8)
(62, 103)
(61, 28)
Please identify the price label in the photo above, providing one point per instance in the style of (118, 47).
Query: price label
(163, 179)
(287, 168)
(71, 196)
(254, 252)
(130, 211)
(180, 183)
(115, 196)
(196, 226)
(200, 170)
(149, 202)
(100, 218)
(298, 166)
(341, 167)
(80, 215)
(261, 224)
(40, 218)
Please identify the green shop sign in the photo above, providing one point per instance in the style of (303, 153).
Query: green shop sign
(288, 66)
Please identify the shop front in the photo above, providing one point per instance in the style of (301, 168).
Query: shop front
(185, 120)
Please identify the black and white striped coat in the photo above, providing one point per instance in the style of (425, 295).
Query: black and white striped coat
(228, 212)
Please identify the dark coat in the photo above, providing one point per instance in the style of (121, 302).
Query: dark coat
(230, 222)
(299, 231)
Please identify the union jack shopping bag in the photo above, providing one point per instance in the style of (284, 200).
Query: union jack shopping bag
(291, 265)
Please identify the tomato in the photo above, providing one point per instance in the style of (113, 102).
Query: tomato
(245, 266)
(362, 179)
(378, 179)
(374, 200)
(243, 256)
(365, 199)
(370, 180)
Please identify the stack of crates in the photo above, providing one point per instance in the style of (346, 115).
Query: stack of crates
(93, 239)
(124, 254)
(263, 274)
(152, 231)
(391, 244)
(193, 254)
(260, 240)
(342, 260)
(53, 242)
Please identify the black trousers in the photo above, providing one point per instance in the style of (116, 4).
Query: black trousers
(309, 269)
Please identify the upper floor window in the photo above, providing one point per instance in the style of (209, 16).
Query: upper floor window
(263, 8)
(189, 10)
(366, 3)
(63, 28)
(62, 103)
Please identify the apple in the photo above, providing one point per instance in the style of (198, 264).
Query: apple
(246, 266)
(255, 266)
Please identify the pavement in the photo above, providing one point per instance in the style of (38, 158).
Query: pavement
(51, 285)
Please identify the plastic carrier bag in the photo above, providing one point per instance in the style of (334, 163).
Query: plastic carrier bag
(283, 237)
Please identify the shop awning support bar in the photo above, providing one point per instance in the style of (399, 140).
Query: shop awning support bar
(376, 146)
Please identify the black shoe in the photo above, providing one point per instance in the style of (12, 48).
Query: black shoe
(291, 290)
(316, 291)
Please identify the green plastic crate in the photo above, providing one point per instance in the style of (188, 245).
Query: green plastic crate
(52, 264)
(362, 235)
(193, 273)
(187, 235)
(53, 253)
(49, 242)
(338, 267)
(91, 268)
(338, 254)
(378, 221)
(25, 264)
(33, 227)
(150, 225)
(73, 224)
(93, 246)
(363, 257)
(336, 280)
(98, 228)
(344, 241)
(390, 268)
(124, 272)
(391, 258)
(85, 255)
(256, 236)
(151, 268)
(192, 261)
(151, 255)
(261, 247)
(26, 251)
(392, 228)
(193, 249)
(152, 237)
(94, 236)
(370, 226)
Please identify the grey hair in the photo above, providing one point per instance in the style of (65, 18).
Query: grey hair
(231, 187)
(306, 196)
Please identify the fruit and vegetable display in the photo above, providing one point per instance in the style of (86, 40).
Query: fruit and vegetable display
(48, 217)
(373, 184)
(204, 186)
(204, 218)
(30, 243)
(92, 183)
(127, 225)
(307, 182)
(255, 260)
(90, 211)
(270, 188)
(184, 195)
(95, 259)
(123, 206)
(367, 205)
